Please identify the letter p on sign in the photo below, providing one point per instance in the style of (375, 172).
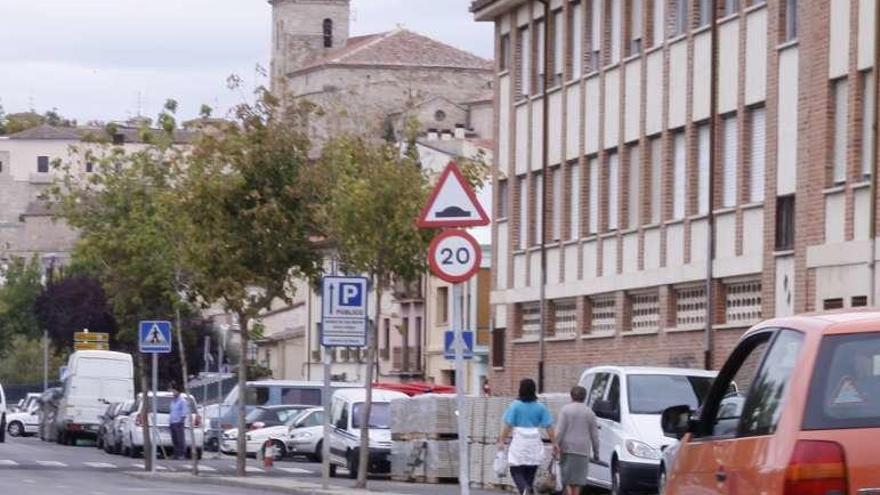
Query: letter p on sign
(350, 295)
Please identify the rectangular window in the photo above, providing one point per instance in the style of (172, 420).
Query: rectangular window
(565, 318)
(594, 195)
(703, 164)
(633, 190)
(523, 212)
(90, 167)
(785, 223)
(503, 199)
(731, 7)
(690, 306)
(613, 190)
(840, 92)
(504, 52)
(539, 64)
(868, 150)
(596, 33)
(531, 319)
(759, 151)
(525, 59)
(538, 224)
(614, 19)
(656, 179)
(574, 216)
(679, 179)
(442, 305)
(705, 13)
(790, 19)
(742, 301)
(833, 303)
(604, 314)
(678, 17)
(859, 301)
(635, 26)
(731, 137)
(43, 164)
(658, 22)
(556, 47)
(576, 49)
(644, 311)
(557, 204)
(498, 347)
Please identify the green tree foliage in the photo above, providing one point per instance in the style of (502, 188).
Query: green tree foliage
(20, 364)
(73, 304)
(248, 198)
(17, 297)
(17, 122)
(371, 219)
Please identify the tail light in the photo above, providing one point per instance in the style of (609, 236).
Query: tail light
(257, 425)
(816, 468)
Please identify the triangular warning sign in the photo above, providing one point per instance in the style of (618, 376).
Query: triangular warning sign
(452, 203)
(847, 393)
(156, 337)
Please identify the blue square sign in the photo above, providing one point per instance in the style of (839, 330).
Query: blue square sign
(344, 311)
(155, 337)
(449, 344)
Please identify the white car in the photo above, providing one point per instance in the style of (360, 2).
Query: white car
(26, 421)
(133, 435)
(628, 402)
(300, 436)
(2, 415)
(263, 418)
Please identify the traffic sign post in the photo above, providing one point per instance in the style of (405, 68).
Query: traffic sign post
(455, 256)
(154, 338)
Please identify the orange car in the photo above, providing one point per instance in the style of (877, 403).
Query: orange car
(795, 410)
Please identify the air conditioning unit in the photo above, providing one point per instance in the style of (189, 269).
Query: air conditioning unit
(316, 355)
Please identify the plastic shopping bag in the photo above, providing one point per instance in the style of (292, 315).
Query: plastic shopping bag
(558, 469)
(500, 464)
(547, 479)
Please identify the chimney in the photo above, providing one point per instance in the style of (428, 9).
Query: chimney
(459, 131)
(432, 134)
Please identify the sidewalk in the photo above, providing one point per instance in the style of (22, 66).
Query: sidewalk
(295, 486)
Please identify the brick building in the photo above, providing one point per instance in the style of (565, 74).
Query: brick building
(628, 184)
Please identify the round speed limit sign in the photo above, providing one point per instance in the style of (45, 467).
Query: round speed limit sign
(454, 256)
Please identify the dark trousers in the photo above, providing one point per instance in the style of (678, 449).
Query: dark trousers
(178, 440)
(524, 478)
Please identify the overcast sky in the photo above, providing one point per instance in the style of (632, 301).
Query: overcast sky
(105, 59)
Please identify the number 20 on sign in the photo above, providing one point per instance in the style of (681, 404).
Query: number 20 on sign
(454, 256)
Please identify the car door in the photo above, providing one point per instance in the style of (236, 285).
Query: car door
(711, 460)
(611, 434)
(600, 474)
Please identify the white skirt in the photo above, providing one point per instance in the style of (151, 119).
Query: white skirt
(526, 448)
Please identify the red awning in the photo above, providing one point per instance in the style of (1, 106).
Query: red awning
(415, 388)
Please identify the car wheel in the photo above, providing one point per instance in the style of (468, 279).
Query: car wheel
(616, 482)
(134, 452)
(15, 429)
(661, 480)
(319, 452)
(279, 450)
(352, 465)
(332, 470)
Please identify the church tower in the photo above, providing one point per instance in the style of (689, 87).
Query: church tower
(305, 29)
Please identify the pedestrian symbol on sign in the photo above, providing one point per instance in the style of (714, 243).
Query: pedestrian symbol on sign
(156, 337)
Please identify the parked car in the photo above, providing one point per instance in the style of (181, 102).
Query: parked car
(25, 421)
(307, 435)
(2, 414)
(806, 418)
(113, 432)
(347, 419)
(94, 378)
(298, 430)
(259, 418)
(133, 435)
(628, 402)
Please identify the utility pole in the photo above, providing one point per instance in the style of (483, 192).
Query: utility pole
(545, 158)
(709, 337)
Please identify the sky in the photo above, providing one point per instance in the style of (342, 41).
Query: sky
(114, 59)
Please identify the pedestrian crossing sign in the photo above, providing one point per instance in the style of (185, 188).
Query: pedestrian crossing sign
(155, 337)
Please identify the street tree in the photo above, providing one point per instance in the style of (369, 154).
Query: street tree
(371, 220)
(19, 365)
(21, 286)
(73, 304)
(248, 199)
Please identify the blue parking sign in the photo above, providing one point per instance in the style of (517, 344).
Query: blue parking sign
(344, 311)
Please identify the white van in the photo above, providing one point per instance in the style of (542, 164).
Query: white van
(93, 379)
(628, 402)
(346, 419)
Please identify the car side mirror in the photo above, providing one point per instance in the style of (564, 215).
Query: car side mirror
(604, 410)
(676, 421)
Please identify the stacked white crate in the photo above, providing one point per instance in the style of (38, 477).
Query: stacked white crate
(428, 422)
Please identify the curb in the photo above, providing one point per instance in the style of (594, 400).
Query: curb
(290, 486)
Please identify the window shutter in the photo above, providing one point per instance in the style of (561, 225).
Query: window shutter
(539, 208)
(596, 29)
(594, 195)
(615, 30)
(704, 163)
(679, 180)
(523, 212)
(577, 40)
(635, 178)
(557, 203)
(868, 149)
(557, 44)
(840, 118)
(613, 190)
(759, 127)
(575, 203)
(525, 79)
(659, 22)
(656, 182)
(539, 55)
(730, 159)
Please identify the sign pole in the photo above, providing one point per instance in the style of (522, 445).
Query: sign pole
(155, 405)
(458, 325)
(325, 443)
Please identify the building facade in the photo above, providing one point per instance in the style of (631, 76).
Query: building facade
(628, 184)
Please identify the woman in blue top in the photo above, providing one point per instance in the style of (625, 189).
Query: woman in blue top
(523, 419)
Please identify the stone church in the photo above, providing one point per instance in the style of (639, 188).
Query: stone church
(365, 83)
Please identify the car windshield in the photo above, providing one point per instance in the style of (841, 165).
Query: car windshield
(651, 394)
(272, 416)
(380, 415)
(845, 391)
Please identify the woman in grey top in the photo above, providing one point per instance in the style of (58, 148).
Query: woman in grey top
(577, 437)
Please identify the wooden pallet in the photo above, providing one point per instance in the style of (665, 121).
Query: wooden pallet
(410, 437)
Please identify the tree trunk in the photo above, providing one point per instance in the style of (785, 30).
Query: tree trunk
(241, 455)
(145, 418)
(364, 453)
(185, 382)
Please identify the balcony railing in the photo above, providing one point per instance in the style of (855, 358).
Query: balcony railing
(406, 359)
